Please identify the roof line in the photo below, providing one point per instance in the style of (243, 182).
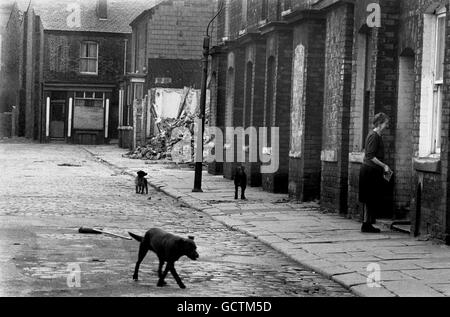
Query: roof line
(145, 12)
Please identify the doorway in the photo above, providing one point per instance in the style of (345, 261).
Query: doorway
(404, 146)
(57, 116)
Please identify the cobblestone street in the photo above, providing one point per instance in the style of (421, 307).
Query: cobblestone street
(49, 191)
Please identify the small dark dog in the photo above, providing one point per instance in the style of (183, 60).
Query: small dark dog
(141, 183)
(169, 248)
(240, 180)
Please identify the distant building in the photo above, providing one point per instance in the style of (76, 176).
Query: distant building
(71, 54)
(166, 52)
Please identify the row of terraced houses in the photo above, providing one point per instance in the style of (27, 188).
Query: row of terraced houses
(320, 70)
(317, 69)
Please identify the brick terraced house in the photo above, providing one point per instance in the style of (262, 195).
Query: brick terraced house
(71, 55)
(320, 70)
(166, 52)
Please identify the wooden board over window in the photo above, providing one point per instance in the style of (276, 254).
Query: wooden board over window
(88, 118)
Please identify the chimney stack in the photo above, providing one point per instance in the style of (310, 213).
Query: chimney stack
(102, 9)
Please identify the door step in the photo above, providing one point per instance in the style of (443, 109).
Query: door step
(399, 226)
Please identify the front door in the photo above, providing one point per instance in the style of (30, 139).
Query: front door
(57, 119)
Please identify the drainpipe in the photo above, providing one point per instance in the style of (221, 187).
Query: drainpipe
(125, 57)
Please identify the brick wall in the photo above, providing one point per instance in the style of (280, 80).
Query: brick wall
(429, 212)
(183, 73)
(338, 67)
(254, 102)
(279, 48)
(383, 65)
(10, 70)
(307, 110)
(176, 29)
(62, 58)
(234, 102)
(218, 86)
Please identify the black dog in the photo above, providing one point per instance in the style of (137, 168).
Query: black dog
(141, 183)
(169, 248)
(240, 180)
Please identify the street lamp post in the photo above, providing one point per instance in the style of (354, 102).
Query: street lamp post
(199, 154)
(202, 116)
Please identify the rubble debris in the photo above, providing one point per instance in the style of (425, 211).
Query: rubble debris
(162, 146)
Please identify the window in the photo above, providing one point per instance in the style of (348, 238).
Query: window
(89, 58)
(432, 83)
(89, 99)
(163, 80)
(438, 82)
(129, 95)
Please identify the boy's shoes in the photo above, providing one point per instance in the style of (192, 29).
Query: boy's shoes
(368, 228)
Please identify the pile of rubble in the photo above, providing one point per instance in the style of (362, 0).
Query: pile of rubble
(172, 132)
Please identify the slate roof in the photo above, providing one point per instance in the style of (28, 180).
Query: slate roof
(54, 14)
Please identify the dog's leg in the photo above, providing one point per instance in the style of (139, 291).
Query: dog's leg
(161, 264)
(175, 275)
(236, 189)
(161, 281)
(146, 188)
(142, 253)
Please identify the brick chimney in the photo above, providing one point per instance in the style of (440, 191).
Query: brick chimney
(102, 9)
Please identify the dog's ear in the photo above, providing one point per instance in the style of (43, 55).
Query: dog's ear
(191, 238)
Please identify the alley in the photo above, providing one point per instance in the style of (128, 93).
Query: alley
(49, 191)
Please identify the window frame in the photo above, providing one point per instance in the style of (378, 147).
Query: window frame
(89, 58)
(438, 83)
(430, 136)
(94, 98)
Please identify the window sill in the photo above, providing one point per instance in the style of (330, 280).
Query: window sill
(427, 164)
(88, 74)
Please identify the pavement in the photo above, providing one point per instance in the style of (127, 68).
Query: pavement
(49, 191)
(390, 264)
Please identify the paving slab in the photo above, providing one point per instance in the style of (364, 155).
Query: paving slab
(410, 288)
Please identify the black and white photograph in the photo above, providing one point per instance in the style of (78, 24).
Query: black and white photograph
(236, 150)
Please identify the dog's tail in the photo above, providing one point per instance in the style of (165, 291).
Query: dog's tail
(136, 237)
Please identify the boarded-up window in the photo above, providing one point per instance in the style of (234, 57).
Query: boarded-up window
(89, 111)
(89, 58)
(298, 102)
